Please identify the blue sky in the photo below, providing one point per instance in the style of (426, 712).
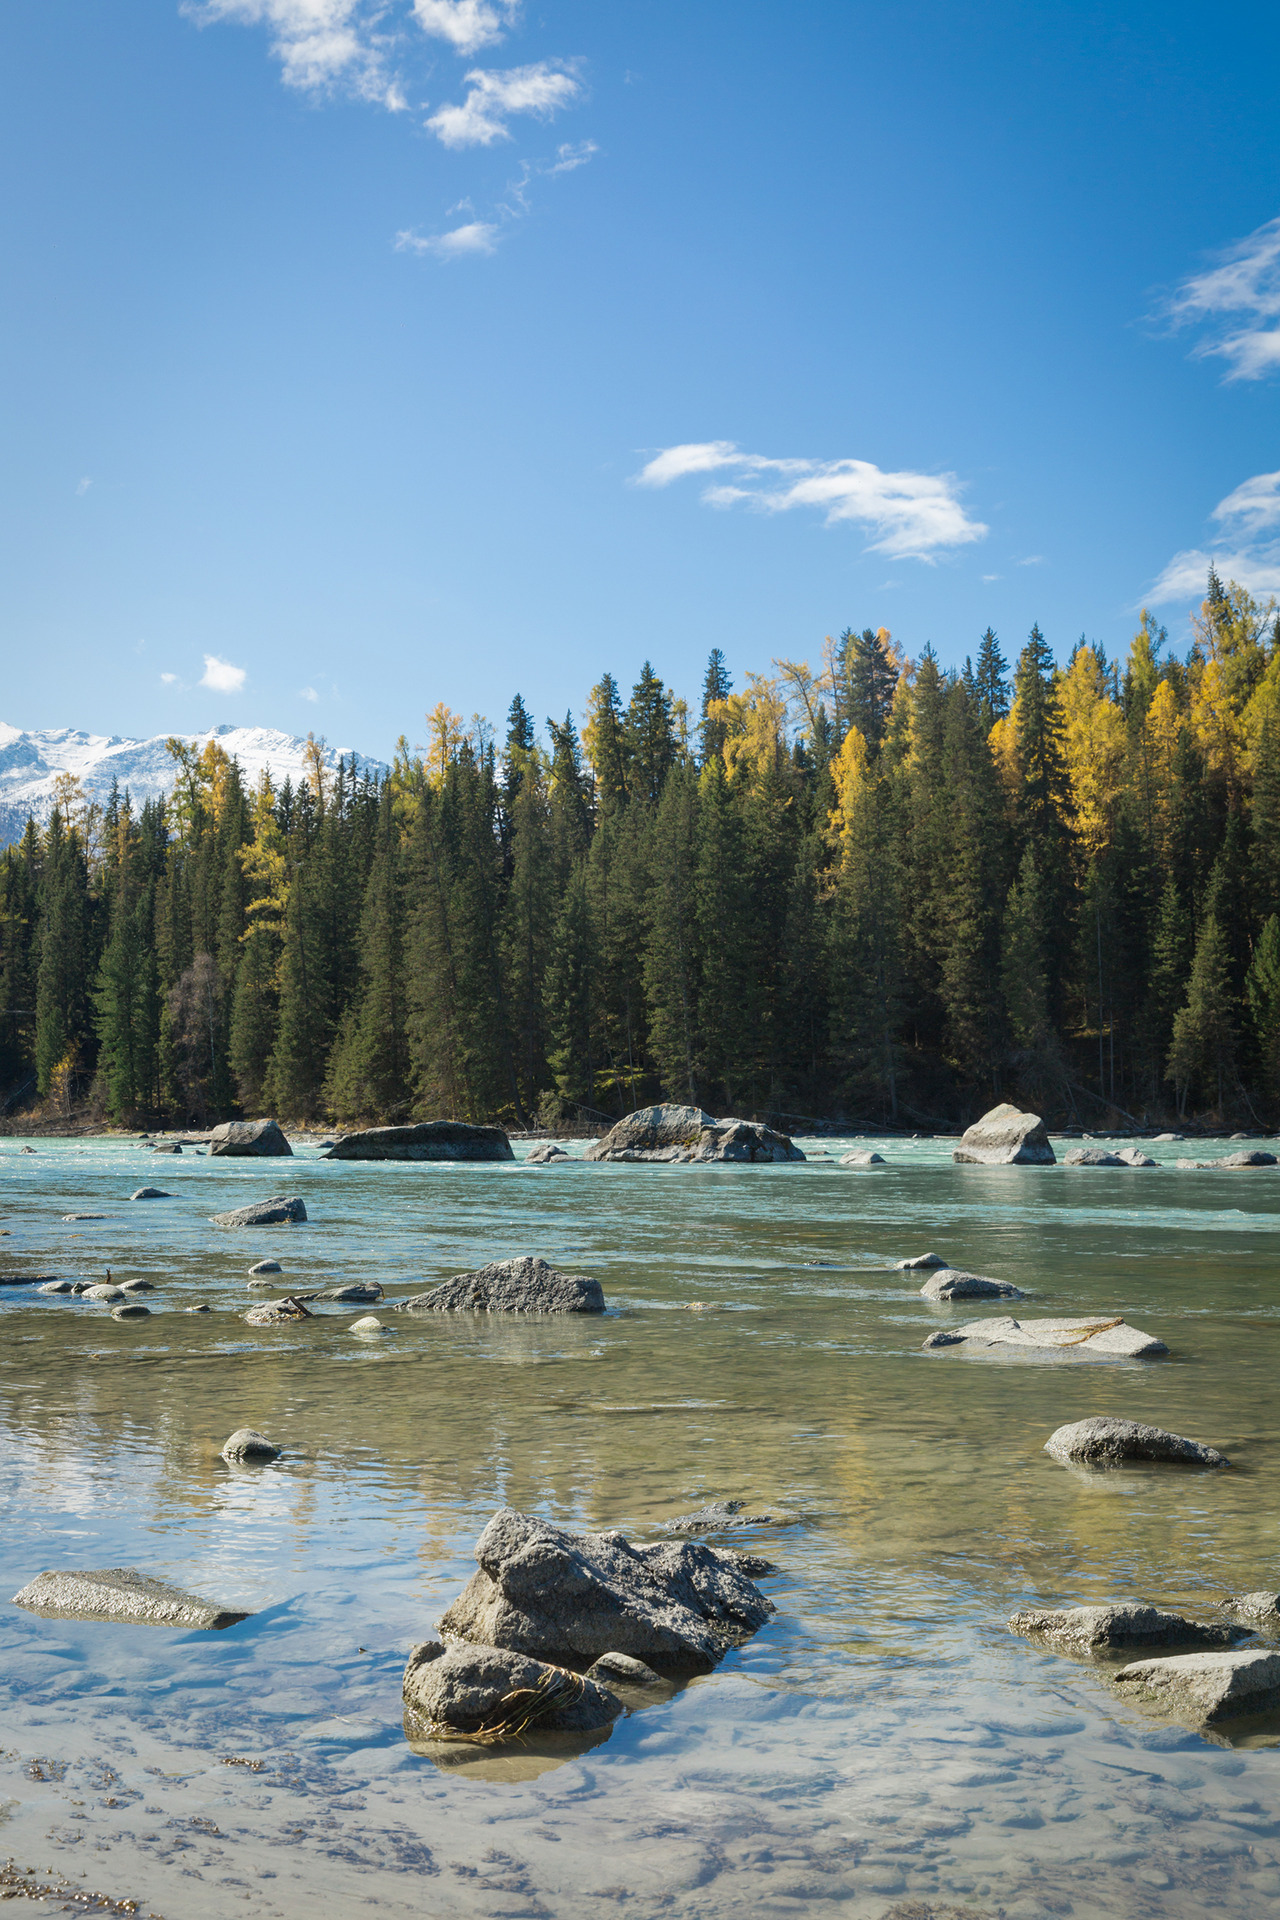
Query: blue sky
(381, 352)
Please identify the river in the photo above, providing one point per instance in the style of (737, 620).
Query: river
(883, 1741)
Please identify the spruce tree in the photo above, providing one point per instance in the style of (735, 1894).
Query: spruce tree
(716, 686)
(1204, 1032)
(569, 996)
(1262, 992)
(990, 681)
(368, 1075)
(670, 953)
(650, 735)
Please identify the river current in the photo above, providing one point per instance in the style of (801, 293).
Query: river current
(883, 1741)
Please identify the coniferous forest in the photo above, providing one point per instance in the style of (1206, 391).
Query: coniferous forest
(876, 891)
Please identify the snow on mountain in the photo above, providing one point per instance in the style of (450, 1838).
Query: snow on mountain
(30, 763)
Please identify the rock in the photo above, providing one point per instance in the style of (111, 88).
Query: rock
(86, 1216)
(1206, 1687)
(276, 1212)
(272, 1312)
(861, 1159)
(1005, 1137)
(754, 1565)
(621, 1668)
(367, 1325)
(1098, 1335)
(167, 1146)
(488, 1694)
(266, 1266)
(123, 1594)
(246, 1443)
(254, 1286)
(1107, 1442)
(429, 1140)
(1135, 1157)
(676, 1136)
(1101, 1629)
(950, 1283)
(134, 1310)
(199, 1307)
(102, 1292)
(544, 1153)
(361, 1293)
(1165, 1138)
(1256, 1158)
(1091, 1157)
(57, 1286)
(1263, 1609)
(249, 1140)
(151, 1193)
(511, 1286)
(919, 1262)
(136, 1286)
(26, 1149)
(718, 1517)
(572, 1597)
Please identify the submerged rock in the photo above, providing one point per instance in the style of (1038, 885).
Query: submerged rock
(1092, 1157)
(1110, 1336)
(1261, 1609)
(429, 1140)
(360, 1293)
(544, 1153)
(919, 1263)
(277, 1212)
(861, 1159)
(132, 1310)
(1205, 1688)
(951, 1283)
(678, 1136)
(572, 1597)
(1104, 1629)
(273, 1312)
(151, 1193)
(249, 1140)
(199, 1307)
(266, 1266)
(511, 1286)
(136, 1286)
(167, 1146)
(490, 1694)
(123, 1594)
(246, 1443)
(1005, 1137)
(367, 1325)
(717, 1517)
(1107, 1442)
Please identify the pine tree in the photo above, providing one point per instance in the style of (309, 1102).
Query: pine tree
(1023, 971)
(1262, 991)
(725, 919)
(368, 1076)
(295, 1074)
(670, 954)
(1204, 1033)
(716, 686)
(569, 996)
(871, 678)
(990, 681)
(650, 735)
(608, 745)
(1265, 818)
(253, 1016)
(65, 967)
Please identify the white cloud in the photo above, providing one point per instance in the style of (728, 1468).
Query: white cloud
(1254, 505)
(221, 676)
(324, 46)
(1252, 508)
(494, 95)
(169, 679)
(467, 25)
(908, 515)
(1032, 560)
(987, 578)
(568, 157)
(309, 693)
(1239, 300)
(478, 236)
(83, 487)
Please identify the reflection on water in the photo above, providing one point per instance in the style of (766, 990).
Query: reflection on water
(883, 1737)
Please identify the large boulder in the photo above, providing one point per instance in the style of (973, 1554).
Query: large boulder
(1204, 1688)
(1108, 1336)
(1107, 1442)
(682, 1136)
(571, 1597)
(124, 1594)
(279, 1211)
(1005, 1137)
(952, 1283)
(491, 1694)
(249, 1140)
(1110, 1629)
(428, 1140)
(510, 1286)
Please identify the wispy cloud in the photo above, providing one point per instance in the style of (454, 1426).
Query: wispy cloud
(494, 95)
(1238, 301)
(467, 25)
(82, 487)
(478, 236)
(907, 515)
(309, 693)
(1252, 509)
(323, 46)
(169, 679)
(221, 676)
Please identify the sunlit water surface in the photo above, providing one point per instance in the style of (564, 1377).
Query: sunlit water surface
(883, 1739)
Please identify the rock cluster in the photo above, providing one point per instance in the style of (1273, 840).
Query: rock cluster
(1005, 1137)
(511, 1286)
(429, 1140)
(682, 1136)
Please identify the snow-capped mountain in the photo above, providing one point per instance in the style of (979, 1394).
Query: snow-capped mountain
(30, 763)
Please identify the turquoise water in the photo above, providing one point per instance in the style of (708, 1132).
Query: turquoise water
(883, 1739)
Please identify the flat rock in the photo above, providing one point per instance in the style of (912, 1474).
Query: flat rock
(491, 1693)
(1107, 1442)
(132, 1310)
(1092, 1157)
(951, 1283)
(136, 1286)
(919, 1262)
(573, 1597)
(1107, 1334)
(544, 1154)
(1262, 1609)
(511, 1286)
(428, 1140)
(719, 1516)
(276, 1212)
(1104, 1629)
(1005, 1137)
(360, 1293)
(1254, 1158)
(1205, 1688)
(272, 1313)
(151, 1193)
(57, 1286)
(246, 1443)
(123, 1594)
(861, 1159)
(249, 1140)
(266, 1266)
(1135, 1157)
(679, 1136)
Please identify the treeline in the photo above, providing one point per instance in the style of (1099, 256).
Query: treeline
(876, 890)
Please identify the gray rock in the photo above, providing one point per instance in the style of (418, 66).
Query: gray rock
(1104, 1629)
(719, 1516)
(1135, 1157)
(249, 1140)
(86, 1216)
(573, 1598)
(151, 1193)
(255, 1286)
(675, 1135)
(1005, 1137)
(544, 1154)
(276, 1212)
(199, 1307)
(1261, 1609)
(136, 1286)
(133, 1310)
(273, 1313)
(511, 1286)
(367, 1325)
(102, 1292)
(951, 1283)
(861, 1159)
(266, 1266)
(57, 1286)
(1256, 1158)
(1098, 1335)
(653, 1129)
(246, 1443)
(167, 1146)
(919, 1263)
(1165, 1138)
(123, 1594)
(429, 1140)
(489, 1694)
(1107, 1442)
(1091, 1157)
(1205, 1688)
(361, 1293)
(620, 1668)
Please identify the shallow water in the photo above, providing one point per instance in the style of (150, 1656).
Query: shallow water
(883, 1738)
